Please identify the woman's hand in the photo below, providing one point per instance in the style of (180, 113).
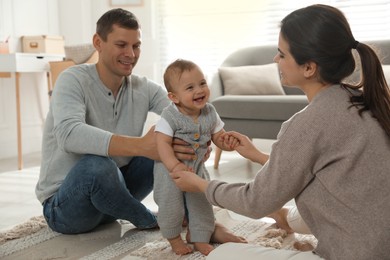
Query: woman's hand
(228, 141)
(189, 181)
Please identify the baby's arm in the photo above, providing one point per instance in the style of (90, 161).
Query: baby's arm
(166, 153)
(223, 140)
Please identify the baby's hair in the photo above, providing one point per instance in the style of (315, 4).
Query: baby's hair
(176, 69)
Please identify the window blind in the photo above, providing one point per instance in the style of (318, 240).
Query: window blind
(207, 31)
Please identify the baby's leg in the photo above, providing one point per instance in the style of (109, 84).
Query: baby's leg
(179, 247)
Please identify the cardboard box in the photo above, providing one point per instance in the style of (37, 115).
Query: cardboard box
(43, 44)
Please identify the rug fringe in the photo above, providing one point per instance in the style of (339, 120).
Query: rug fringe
(29, 227)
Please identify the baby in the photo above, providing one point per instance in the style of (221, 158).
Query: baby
(191, 118)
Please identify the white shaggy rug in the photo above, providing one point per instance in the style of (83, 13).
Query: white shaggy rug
(120, 240)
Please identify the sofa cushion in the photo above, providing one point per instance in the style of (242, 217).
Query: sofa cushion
(251, 80)
(263, 107)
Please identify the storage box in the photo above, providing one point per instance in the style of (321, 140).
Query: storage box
(43, 44)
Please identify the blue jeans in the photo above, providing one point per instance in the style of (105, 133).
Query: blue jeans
(96, 192)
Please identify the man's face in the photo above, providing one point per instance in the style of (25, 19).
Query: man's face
(120, 52)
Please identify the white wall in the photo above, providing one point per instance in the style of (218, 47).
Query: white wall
(75, 20)
(18, 18)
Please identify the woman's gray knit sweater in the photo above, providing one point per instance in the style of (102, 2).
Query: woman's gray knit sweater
(336, 164)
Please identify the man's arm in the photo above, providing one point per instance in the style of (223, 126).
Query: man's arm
(146, 146)
(121, 145)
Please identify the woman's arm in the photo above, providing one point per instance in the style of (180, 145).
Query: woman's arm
(187, 181)
(246, 148)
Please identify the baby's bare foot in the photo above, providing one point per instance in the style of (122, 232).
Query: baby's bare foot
(179, 247)
(280, 218)
(204, 248)
(223, 235)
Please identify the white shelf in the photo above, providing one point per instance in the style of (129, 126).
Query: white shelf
(27, 62)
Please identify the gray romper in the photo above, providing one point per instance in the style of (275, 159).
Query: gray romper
(170, 199)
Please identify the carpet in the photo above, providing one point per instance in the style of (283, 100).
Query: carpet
(121, 240)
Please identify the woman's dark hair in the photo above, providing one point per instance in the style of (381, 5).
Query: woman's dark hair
(118, 16)
(321, 34)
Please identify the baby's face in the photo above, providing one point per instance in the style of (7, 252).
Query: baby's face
(191, 89)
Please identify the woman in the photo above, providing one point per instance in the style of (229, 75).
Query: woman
(331, 157)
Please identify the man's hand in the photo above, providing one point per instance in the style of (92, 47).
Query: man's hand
(149, 145)
(209, 150)
(122, 145)
(183, 150)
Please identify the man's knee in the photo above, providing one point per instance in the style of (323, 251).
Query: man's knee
(97, 165)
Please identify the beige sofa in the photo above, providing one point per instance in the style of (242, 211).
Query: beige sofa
(248, 95)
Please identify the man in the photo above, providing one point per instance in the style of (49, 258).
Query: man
(96, 167)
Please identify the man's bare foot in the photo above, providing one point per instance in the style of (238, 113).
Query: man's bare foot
(223, 235)
(280, 218)
(204, 248)
(179, 247)
(303, 246)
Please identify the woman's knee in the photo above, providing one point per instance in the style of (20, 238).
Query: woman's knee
(296, 222)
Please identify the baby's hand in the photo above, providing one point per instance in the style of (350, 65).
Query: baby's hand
(229, 142)
(180, 167)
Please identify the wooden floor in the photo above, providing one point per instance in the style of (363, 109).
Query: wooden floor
(17, 197)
